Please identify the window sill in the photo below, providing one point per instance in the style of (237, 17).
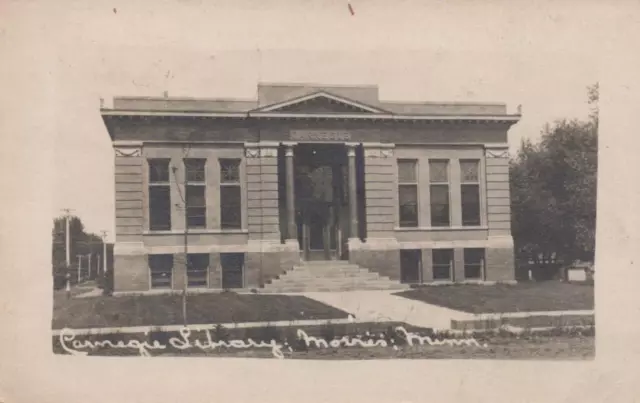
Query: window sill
(195, 231)
(451, 228)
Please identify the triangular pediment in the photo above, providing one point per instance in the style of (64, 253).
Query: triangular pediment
(320, 102)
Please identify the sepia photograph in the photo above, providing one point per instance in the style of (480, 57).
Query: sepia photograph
(319, 200)
(326, 205)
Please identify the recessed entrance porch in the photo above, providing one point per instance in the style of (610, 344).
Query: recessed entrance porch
(320, 188)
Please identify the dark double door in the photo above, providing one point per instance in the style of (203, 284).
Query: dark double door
(321, 202)
(320, 232)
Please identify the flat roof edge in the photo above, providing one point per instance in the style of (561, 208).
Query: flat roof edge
(364, 116)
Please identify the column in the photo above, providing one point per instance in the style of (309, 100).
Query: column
(266, 257)
(292, 228)
(353, 194)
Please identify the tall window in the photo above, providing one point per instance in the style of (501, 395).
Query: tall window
(197, 269)
(439, 193)
(470, 191)
(473, 263)
(230, 194)
(442, 264)
(408, 193)
(159, 195)
(195, 188)
(161, 267)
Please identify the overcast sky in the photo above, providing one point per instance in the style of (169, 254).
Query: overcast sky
(540, 56)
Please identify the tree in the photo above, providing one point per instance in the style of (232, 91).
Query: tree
(553, 191)
(81, 243)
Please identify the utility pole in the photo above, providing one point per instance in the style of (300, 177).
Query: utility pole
(79, 264)
(89, 264)
(67, 236)
(104, 252)
(67, 250)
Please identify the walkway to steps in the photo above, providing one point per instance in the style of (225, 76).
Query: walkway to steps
(381, 306)
(330, 275)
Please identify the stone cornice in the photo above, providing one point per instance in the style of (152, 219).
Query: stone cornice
(502, 119)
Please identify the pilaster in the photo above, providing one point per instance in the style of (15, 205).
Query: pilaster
(262, 190)
(129, 261)
(380, 189)
(129, 191)
(497, 189)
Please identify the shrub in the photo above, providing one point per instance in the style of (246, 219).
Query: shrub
(328, 332)
(158, 335)
(221, 333)
(269, 333)
(105, 282)
(60, 276)
(296, 343)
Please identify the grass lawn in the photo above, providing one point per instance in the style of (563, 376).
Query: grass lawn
(156, 310)
(521, 297)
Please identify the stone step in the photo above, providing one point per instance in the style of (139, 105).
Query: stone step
(307, 288)
(320, 269)
(330, 283)
(303, 275)
(325, 262)
(333, 275)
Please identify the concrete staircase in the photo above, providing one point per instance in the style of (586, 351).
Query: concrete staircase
(330, 275)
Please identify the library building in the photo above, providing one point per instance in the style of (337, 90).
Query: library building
(308, 188)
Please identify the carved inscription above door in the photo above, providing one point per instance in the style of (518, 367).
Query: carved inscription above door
(320, 135)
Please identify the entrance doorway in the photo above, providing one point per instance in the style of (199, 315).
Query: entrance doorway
(321, 200)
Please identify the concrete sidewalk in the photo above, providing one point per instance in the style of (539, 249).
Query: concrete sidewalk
(381, 305)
